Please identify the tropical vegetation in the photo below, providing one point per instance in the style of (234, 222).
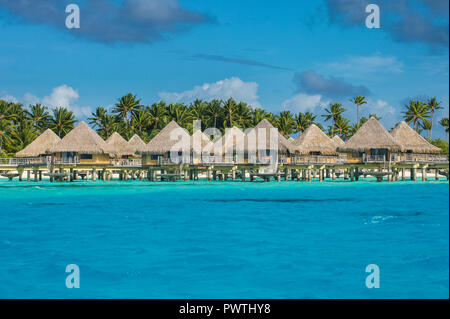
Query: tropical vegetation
(20, 125)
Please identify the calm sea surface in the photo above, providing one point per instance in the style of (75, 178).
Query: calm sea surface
(224, 239)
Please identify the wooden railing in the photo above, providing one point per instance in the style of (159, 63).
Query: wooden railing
(66, 161)
(127, 163)
(174, 161)
(318, 159)
(422, 158)
(380, 158)
(23, 161)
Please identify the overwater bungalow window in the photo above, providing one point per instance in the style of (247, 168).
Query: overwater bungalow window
(378, 151)
(86, 156)
(155, 157)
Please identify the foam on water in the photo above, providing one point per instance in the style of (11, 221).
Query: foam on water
(224, 239)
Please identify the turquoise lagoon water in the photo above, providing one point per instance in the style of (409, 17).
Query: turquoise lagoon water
(140, 239)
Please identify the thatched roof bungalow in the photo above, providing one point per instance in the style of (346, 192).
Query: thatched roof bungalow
(315, 142)
(41, 145)
(200, 144)
(119, 147)
(136, 143)
(284, 146)
(338, 141)
(231, 147)
(372, 141)
(161, 145)
(314, 146)
(411, 141)
(83, 144)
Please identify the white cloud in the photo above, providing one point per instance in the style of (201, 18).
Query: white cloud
(61, 96)
(66, 96)
(224, 89)
(361, 66)
(380, 107)
(302, 102)
(9, 98)
(29, 99)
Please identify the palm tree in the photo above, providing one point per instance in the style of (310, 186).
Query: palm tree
(416, 112)
(107, 126)
(183, 117)
(433, 105)
(62, 121)
(140, 120)
(444, 123)
(198, 111)
(243, 115)
(97, 116)
(342, 126)
(4, 110)
(426, 125)
(39, 115)
(127, 106)
(16, 112)
(156, 115)
(258, 115)
(333, 112)
(302, 121)
(22, 134)
(229, 108)
(286, 123)
(214, 111)
(5, 129)
(358, 101)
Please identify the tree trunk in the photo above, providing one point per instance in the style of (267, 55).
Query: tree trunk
(432, 123)
(357, 114)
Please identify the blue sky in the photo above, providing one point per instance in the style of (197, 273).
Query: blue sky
(293, 55)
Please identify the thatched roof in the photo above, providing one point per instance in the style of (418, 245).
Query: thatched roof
(313, 140)
(283, 144)
(371, 135)
(119, 146)
(410, 140)
(82, 139)
(201, 140)
(162, 143)
(232, 137)
(338, 141)
(136, 143)
(41, 145)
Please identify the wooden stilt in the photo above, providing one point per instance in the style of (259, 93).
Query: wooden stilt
(424, 175)
(413, 174)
